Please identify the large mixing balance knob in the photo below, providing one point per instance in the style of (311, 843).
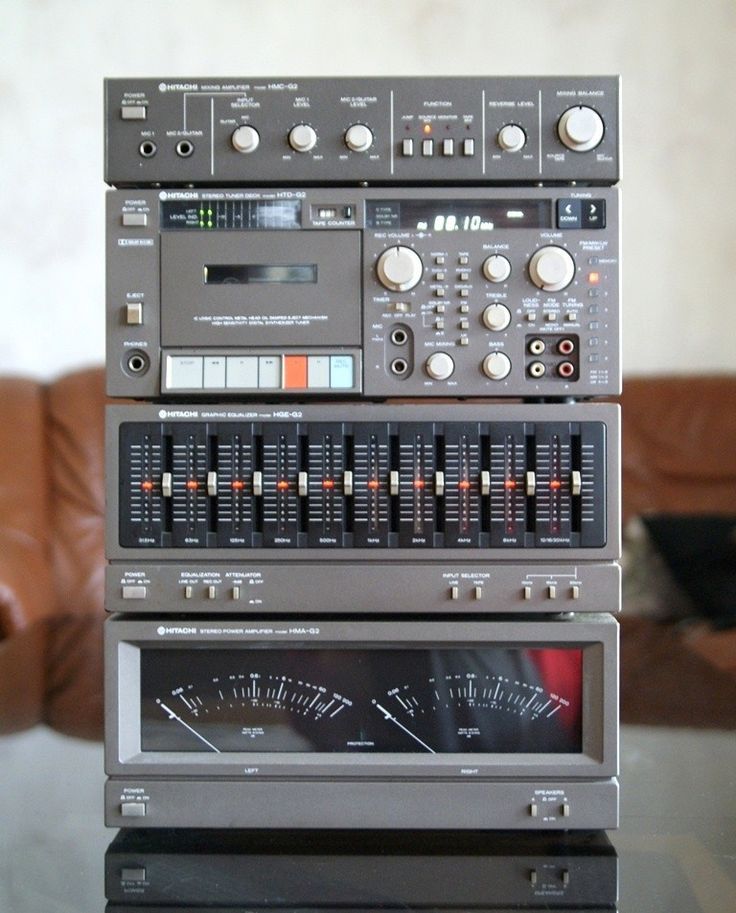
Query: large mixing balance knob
(439, 366)
(358, 138)
(399, 268)
(302, 138)
(551, 268)
(245, 139)
(580, 129)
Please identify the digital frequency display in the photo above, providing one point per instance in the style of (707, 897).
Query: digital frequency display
(458, 215)
(510, 700)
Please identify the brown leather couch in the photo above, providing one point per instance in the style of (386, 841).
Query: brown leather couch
(679, 456)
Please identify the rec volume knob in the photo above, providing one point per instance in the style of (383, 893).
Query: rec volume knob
(302, 138)
(245, 139)
(580, 128)
(399, 268)
(439, 366)
(358, 138)
(551, 268)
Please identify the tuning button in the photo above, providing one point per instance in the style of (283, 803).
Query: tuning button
(551, 268)
(358, 138)
(511, 138)
(580, 129)
(302, 138)
(399, 269)
(439, 366)
(496, 317)
(496, 268)
(245, 139)
(496, 365)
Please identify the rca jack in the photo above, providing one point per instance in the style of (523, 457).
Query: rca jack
(537, 369)
(566, 347)
(566, 369)
(147, 149)
(399, 366)
(184, 148)
(399, 337)
(536, 347)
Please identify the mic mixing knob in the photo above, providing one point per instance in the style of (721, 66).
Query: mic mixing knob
(245, 139)
(496, 365)
(302, 138)
(496, 317)
(439, 366)
(358, 138)
(511, 138)
(580, 129)
(496, 268)
(399, 269)
(551, 268)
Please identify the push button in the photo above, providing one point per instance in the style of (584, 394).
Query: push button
(569, 214)
(134, 313)
(594, 213)
(468, 146)
(133, 112)
(448, 146)
(184, 372)
(242, 371)
(134, 592)
(318, 371)
(427, 147)
(214, 372)
(295, 372)
(341, 372)
(269, 372)
(135, 219)
(133, 809)
(407, 147)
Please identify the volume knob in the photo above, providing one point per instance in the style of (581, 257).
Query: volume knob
(551, 268)
(302, 138)
(580, 129)
(245, 139)
(399, 269)
(358, 138)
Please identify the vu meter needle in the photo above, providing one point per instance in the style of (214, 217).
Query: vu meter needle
(401, 726)
(173, 716)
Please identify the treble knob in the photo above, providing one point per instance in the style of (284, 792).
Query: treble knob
(551, 268)
(399, 268)
(580, 129)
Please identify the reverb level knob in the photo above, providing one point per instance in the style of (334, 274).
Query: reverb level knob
(399, 268)
(245, 139)
(439, 366)
(551, 268)
(302, 138)
(358, 138)
(580, 128)
(511, 138)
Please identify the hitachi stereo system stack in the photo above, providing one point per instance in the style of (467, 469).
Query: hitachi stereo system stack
(363, 525)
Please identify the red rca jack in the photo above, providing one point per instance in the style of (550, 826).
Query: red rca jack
(566, 347)
(536, 369)
(566, 369)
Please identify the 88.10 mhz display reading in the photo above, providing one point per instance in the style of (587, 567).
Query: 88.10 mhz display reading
(458, 215)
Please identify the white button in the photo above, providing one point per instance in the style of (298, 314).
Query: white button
(527, 592)
(188, 592)
(468, 146)
(478, 592)
(551, 592)
(135, 219)
(269, 372)
(427, 147)
(134, 313)
(134, 592)
(448, 146)
(407, 147)
(575, 591)
(133, 112)
(236, 592)
(214, 372)
(242, 371)
(212, 592)
(454, 592)
(183, 372)
(133, 809)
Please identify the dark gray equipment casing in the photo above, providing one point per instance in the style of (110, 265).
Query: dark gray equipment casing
(443, 130)
(361, 790)
(307, 286)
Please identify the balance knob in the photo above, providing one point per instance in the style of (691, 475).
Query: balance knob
(580, 129)
(302, 138)
(496, 317)
(245, 139)
(439, 366)
(511, 138)
(551, 268)
(358, 138)
(496, 365)
(496, 268)
(399, 269)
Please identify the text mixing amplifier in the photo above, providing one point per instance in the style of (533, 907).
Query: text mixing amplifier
(344, 724)
(331, 292)
(380, 508)
(245, 131)
(368, 614)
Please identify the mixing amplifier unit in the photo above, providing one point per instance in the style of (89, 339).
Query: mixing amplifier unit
(399, 130)
(306, 723)
(325, 293)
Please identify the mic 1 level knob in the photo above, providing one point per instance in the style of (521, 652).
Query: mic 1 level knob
(302, 138)
(439, 366)
(399, 269)
(551, 268)
(496, 268)
(245, 139)
(580, 129)
(496, 365)
(358, 138)
(496, 317)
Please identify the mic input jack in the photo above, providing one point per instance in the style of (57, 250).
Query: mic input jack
(399, 337)
(536, 369)
(147, 149)
(566, 369)
(566, 347)
(137, 363)
(399, 367)
(537, 346)
(184, 148)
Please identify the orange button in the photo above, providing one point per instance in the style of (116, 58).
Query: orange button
(295, 372)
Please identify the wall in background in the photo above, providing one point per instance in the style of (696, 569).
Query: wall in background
(679, 141)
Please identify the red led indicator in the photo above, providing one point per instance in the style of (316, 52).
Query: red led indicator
(555, 484)
(418, 483)
(594, 278)
(374, 484)
(238, 485)
(510, 484)
(192, 485)
(282, 485)
(147, 486)
(464, 485)
(328, 483)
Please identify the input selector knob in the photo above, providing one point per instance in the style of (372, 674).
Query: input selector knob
(496, 366)
(399, 269)
(496, 317)
(580, 128)
(439, 366)
(551, 268)
(245, 139)
(358, 138)
(496, 268)
(302, 138)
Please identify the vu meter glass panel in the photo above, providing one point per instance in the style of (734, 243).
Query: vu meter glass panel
(477, 700)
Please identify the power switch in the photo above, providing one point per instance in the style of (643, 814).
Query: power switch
(133, 809)
(133, 112)
(135, 219)
(134, 592)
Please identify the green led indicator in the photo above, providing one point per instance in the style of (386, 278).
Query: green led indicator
(209, 212)
(201, 212)
(201, 223)
(209, 225)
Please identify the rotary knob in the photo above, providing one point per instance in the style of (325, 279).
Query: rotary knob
(551, 268)
(399, 269)
(439, 366)
(511, 138)
(496, 268)
(496, 366)
(496, 317)
(358, 138)
(245, 139)
(302, 138)
(580, 129)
